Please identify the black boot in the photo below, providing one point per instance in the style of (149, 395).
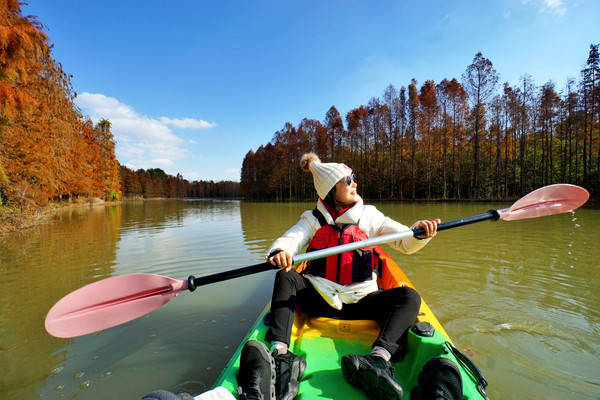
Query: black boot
(372, 374)
(257, 372)
(290, 368)
(439, 380)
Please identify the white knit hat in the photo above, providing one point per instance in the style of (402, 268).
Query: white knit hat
(325, 175)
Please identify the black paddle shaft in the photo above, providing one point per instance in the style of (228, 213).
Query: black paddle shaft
(491, 214)
(194, 282)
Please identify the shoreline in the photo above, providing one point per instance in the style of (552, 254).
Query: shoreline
(14, 219)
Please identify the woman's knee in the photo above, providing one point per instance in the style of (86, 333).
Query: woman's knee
(283, 276)
(413, 295)
(290, 280)
(407, 296)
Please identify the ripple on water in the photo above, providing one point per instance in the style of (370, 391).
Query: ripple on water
(191, 386)
(85, 384)
(57, 370)
(79, 375)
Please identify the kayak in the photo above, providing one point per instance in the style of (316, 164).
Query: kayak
(323, 341)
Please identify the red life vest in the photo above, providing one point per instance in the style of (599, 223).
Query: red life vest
(345, 268)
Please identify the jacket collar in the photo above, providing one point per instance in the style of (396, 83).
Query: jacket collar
(349, 217)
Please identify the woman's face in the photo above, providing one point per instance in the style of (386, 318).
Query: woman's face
(346, 194)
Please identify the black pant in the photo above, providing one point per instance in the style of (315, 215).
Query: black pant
(395, 309)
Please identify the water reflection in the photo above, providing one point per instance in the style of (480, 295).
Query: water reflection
(37, 268)
(262, 223)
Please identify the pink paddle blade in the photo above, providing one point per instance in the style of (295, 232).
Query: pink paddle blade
(547, 200)
(110, 302)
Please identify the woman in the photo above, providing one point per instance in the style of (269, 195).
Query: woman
(341, 286)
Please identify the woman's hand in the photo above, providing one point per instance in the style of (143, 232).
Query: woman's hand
(283, 260)
(430, 227)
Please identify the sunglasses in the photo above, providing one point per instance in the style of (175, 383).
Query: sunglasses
(349, 179)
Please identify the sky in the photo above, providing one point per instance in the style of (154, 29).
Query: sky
(191, 86)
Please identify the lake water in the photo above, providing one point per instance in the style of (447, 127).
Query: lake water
(522, 298)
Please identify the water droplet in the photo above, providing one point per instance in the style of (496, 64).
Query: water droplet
(208, 368)
(58, 388)
(153, 336)
(95, 358)
(226, 347)
(213, 322)
(79, 374)
(57, 370)
(107, 373)
(85, 384)
(577, 225)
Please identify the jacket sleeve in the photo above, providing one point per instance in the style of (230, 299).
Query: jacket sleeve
(297, 237)
(382, 225)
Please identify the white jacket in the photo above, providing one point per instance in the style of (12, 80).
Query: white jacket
(370, 220)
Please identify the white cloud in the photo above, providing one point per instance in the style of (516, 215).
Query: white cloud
(553, 3)
(162, 162)
(555, 6)
(142, 142)
(187, 123)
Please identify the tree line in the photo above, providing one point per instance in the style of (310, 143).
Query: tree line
(48, 149)
(154, 182)
(467, 139)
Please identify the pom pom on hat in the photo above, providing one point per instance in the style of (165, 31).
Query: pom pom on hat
(306, 159)
(325, 175)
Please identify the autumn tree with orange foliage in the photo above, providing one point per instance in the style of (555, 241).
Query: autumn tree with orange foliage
(48, 150)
